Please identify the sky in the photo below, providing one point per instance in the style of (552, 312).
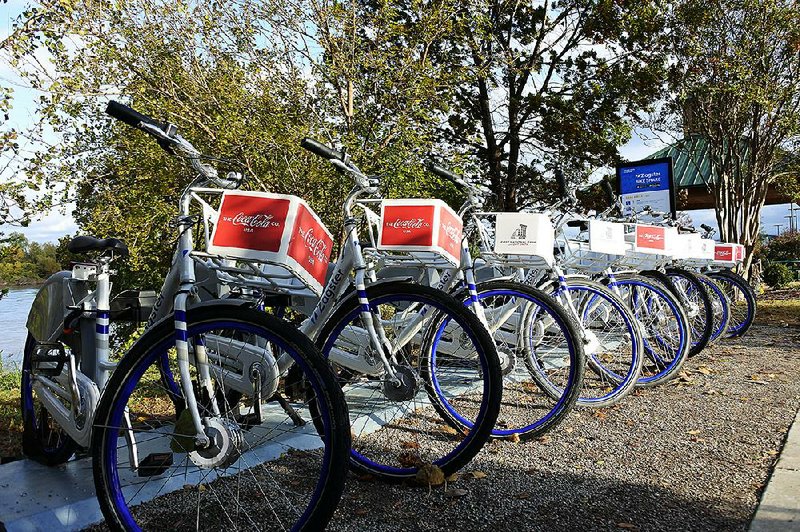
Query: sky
(53, 225)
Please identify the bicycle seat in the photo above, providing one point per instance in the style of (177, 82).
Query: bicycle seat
(84, 243)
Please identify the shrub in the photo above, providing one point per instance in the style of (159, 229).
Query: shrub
(778, 275)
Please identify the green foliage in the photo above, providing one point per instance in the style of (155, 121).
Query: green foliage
(777, 275)
(784, 247)
(734, 81)
(23, 262)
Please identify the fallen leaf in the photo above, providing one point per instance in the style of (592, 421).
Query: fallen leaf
(694, 432)
(430, 475)
(455, 492)
(514, 438)
(409, 445)
(453, 478)
(360, 511)
(477, 474)
(524, 495)
(628, 526)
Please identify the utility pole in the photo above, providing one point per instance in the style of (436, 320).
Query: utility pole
(778, 229)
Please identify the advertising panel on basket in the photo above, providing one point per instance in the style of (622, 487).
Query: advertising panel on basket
(521, 233)
(421, 226)
(276, 229)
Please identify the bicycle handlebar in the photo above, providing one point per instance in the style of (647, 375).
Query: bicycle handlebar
(321, 150)
(706, 228)
(131, 117)
(443, 172)
(610, 195)
(562, 183)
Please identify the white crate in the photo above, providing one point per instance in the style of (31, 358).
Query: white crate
(523, 235)
(275, 229)
(421, 227)
(607, 238)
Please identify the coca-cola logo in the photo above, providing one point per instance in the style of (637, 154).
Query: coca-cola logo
(452, 232)
(253, 221)
(317, 247)
(724, 253)
(408, 225)
(651, 237)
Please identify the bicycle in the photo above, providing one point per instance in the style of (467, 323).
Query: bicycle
(528, 409)
(420, 373)
(200, 418)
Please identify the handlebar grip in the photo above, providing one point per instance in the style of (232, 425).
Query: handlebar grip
(129, 116)
(443, 172)
(561, 182)
(321, 150)
(706, 227)
(612, 197)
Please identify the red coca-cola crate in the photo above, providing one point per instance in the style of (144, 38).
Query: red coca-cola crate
(420, 227)
(728, 254)
(275, 229)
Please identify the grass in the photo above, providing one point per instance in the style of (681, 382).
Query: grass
(777, 312)
(10, 414)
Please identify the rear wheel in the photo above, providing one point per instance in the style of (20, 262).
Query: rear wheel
(43, 440)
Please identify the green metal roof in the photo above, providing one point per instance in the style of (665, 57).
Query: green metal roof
(691, 166)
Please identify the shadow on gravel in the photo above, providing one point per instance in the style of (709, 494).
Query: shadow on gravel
(531, 500)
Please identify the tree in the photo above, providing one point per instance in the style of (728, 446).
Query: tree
(736, 82)
(244, 81)
(550, 85)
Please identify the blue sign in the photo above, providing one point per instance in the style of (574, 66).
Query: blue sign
(646, 185)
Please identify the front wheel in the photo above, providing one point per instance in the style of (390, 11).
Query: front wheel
(612, 339)
(269, 464)
(742, 299)
(541, 353)
(437, 402)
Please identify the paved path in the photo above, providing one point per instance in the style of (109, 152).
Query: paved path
(779, 509)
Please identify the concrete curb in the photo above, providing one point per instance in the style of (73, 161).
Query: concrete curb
(779, 509)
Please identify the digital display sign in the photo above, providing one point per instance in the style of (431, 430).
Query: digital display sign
(646, 184)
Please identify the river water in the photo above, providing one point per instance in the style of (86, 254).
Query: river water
(14, 309)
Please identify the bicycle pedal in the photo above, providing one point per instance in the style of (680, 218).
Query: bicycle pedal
(154, 464)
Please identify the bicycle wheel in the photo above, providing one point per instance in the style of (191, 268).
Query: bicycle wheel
(612, 340)
(445, 402)
(664, 323)
(697, 304)
(721, 305)
(742, 298)
(43, 440)
(534, 336)
(266, 467)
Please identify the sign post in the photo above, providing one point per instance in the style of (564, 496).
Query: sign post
(646, 183)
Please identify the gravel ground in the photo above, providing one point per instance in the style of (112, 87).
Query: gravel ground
(691, 455)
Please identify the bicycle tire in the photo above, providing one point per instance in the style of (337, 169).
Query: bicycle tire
(669, 308)
(630, 343)
(333, 445)
(37, 432)
(380, 449)
(522, 338)
(701, 327)
(736, 283)
(721, 305)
